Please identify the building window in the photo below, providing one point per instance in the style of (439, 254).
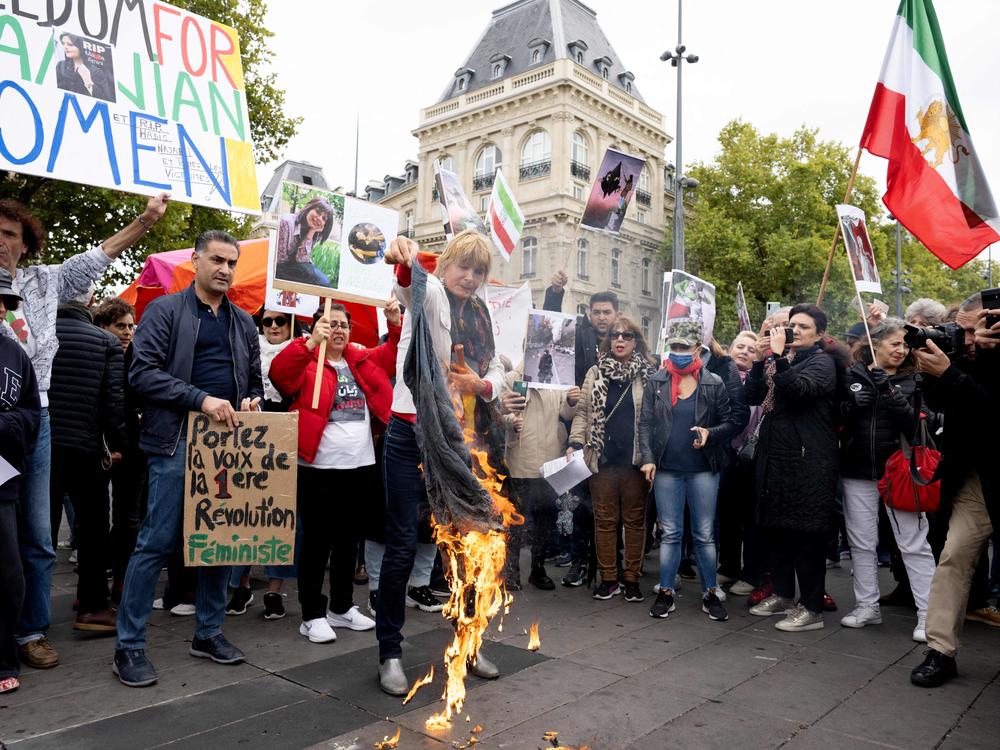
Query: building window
(579, 58)
(484, 203)
(409, 224)
(616, 267)
(578, 192)
(486, 167)
(604, 73)
(529, 248)
(581, 259)
(581, 151)
(641, 217)
(497, 71)
(581, 309)
(644, 324)
(644, 179)
(628, 87)
(536, 155)
(536, 56)
(646, 270)
(307, 180)
(447, 163)
(461, 84)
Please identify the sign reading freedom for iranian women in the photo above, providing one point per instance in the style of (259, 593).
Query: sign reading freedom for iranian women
(135, 95)
(239, 495)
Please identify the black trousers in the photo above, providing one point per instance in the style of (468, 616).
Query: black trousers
(330, 506)
(740, 545)
(536, 501)
(128, 481)
(81, 476)
(11, 590)
(799, 555)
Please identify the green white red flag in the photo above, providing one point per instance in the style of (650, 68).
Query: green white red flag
(935, 184)
(505, 217)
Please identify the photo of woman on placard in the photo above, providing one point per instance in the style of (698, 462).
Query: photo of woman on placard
(298, 234)
(86, 68)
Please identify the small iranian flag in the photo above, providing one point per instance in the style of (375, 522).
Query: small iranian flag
(506, 219)
(935, 184)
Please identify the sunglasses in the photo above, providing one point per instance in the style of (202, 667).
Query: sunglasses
(626, 335)
(279, 321)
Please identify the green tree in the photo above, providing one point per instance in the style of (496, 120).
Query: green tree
(764, 215)
(79, 216)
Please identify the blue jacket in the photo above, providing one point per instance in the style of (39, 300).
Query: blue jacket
(162, 359)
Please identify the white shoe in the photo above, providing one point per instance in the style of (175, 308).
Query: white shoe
(741, 588)
(158, 604)
(352, 619)
(920, 632)
(723, 580)
(317, 631)
(182, 610)
(861, 615)
(72, 557)
(718, 592)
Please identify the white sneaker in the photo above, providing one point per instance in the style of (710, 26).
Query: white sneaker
(861, 615)
(158, 604)
(741, 588)
(920, 632)
(182, 610)
(72, 557)
(352, 619)
(317, 631)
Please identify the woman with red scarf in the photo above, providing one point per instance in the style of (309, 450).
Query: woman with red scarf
(684, 427)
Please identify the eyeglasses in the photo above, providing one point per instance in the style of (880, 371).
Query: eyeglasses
(626, 335)
(279, 321)
(334, 324)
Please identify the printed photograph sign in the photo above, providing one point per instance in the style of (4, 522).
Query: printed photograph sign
(550, 350)
(458, 212)
(239, 490)
(742, 313)
(860, 254)
(691, 298)
(616, 183)
(138, 96)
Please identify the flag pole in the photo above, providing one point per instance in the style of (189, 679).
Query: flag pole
(836, 232)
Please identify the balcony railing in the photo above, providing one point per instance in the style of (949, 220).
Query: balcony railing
(536, 169)
(482, 182)
(643, 198)
(580, 171)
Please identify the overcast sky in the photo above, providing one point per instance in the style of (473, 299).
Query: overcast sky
(777, 64)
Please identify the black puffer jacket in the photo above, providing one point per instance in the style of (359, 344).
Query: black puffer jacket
(871, 433)
(86, 398)
(796, 467)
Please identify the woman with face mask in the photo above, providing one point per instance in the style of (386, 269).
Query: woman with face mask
(876, 411)
(684, 429)
(796, 469)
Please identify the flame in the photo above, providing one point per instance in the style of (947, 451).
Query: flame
(553, 739)
(387, 742)
(533, 641)
(425, 680)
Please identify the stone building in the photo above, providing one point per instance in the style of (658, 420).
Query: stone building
(542, 95)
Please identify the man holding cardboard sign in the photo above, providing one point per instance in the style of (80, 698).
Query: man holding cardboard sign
(194, 351)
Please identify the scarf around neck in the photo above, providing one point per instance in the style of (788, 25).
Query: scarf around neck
(608, 369)
(676, 373)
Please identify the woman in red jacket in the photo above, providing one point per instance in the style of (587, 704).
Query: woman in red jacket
(336, 458)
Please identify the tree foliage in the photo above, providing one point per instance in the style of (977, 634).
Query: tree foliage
(79, 216)
(764, 215)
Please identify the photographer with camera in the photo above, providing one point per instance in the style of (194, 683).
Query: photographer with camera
(963, 377)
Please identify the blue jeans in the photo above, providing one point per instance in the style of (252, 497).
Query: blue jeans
(34, 535)
(699, 491)
(159, 535)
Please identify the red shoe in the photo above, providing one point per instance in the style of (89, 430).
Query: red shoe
(760, 593)
(829, 605)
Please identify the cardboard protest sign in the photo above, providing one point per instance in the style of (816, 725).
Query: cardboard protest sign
(331, 246)
(690, 298)
(550, 350)
(138, 96)
(860, 254)
(742, 313)
(458, 213)
(509, 310)
(616, 183)
(239, 490)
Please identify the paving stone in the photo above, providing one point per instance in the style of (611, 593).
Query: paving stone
(718, 725)
(815, 738)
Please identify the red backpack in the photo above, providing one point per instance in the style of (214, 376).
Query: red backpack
(911, 481)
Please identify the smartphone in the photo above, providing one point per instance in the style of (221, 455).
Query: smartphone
(771, 309)
(991, 301)
(520, 387)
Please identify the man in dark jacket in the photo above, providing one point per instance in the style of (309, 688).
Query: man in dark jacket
(193, 351)
(87, 410)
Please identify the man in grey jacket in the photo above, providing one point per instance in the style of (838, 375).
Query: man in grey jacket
(42, 288)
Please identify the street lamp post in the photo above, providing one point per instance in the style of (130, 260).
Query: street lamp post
(677, 57)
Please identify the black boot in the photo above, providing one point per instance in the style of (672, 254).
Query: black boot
(935, 670)
(540, 579)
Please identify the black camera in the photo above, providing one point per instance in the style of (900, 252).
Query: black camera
(949, 337)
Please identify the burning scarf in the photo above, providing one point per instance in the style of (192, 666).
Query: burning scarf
(609, 368)
(677, 373)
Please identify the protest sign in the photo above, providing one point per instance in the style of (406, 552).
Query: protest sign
(690, 298)
(283, 300)
(742, 313)
(859, 249)
(458, 213)
(550, 350)
(331, 246)
(509, 310)
(617, 180)
(239, 490)
(136, 95)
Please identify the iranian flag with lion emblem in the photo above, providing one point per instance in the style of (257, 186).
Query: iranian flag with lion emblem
(935, 185)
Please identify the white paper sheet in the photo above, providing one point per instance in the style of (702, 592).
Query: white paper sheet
(7, 472)
(565, 474)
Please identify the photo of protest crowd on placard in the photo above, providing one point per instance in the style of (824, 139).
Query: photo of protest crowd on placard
(550, 350)
(616, 183)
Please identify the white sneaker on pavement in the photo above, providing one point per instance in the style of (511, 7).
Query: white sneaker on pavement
(741, 588)
(861, 615)
(920, 632)
(318, 630)
(182, 610)
(352, 619)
